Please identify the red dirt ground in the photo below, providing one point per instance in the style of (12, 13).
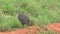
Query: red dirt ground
(35, 29)
(54, 27)
(26, 30)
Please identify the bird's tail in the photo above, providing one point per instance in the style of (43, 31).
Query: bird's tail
(32, 23)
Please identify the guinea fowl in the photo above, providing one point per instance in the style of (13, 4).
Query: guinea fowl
(23, 18)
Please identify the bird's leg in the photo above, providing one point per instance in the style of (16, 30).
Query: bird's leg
(22, 25)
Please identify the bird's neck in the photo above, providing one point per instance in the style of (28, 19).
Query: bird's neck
(19, 9)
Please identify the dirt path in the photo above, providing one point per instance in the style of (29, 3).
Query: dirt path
(26, 30)
(35, 29)
(54, 27)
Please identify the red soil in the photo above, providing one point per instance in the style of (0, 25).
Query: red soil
(35, 29)
(54, 27)
(26, 30)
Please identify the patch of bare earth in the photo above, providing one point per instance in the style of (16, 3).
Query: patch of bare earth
(35, 29)
(25, 30)
(55, 27)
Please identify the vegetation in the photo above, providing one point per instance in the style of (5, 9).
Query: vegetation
(40, 11)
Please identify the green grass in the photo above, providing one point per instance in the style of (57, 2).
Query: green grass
(41, 11)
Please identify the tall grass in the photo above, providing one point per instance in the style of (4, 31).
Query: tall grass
(41, 11)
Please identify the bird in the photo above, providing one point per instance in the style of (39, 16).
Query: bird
(23, 18)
